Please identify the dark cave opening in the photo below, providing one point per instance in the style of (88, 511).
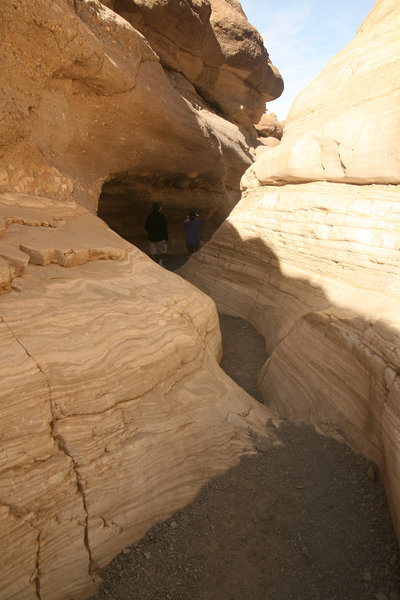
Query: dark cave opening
(124, 208)
(125, 202)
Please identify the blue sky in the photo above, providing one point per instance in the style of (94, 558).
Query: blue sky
(301, 37)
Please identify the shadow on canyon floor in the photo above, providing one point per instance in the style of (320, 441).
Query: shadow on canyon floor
(302, 520)
(320, 323)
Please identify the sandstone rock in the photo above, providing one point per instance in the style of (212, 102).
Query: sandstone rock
(265, 144)
(209, 42)
(311, 258)
(269, 126)
(87, 100)
(113, 409)
(329, 133)
(41, 231)
(269, 142)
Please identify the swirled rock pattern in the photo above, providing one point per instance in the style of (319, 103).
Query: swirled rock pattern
(311, 254)
(113, 409)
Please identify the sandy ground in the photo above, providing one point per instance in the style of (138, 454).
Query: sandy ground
(305, 520)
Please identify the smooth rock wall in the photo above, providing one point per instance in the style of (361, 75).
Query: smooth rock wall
(310, 255)
(345, 126)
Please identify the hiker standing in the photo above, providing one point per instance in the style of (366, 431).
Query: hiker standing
(192, 225)
(156, 227)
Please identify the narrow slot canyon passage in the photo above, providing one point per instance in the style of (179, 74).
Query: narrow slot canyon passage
(303, 519)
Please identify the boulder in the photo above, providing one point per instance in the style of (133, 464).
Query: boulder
(310, 255)
(269, 126)
(211, 44)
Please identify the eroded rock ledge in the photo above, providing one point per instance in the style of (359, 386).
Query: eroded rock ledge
(310, 255)
(42, 231)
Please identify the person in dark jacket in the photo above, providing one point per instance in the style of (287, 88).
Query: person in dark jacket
(156, 227)
(192, 226)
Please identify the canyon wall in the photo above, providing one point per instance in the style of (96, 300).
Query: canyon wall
(113, 408)
(310, 255)
(151, 101)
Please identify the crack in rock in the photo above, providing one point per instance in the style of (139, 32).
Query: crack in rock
(61, 444)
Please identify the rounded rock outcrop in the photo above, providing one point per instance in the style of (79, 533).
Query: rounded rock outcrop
(310, 255)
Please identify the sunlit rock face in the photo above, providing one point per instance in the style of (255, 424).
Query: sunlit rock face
(311, 254)
(113, 409)
(269, 126)
(88, 99)
(269, 131)
(329, 133)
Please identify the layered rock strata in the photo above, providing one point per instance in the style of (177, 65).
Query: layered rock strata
(87, 100)
(311, 256)
(113, 408)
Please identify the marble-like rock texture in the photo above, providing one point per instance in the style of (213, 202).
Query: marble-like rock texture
(88, 100)
(113, 408)
(311, 254)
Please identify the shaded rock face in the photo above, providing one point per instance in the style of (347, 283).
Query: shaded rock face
(209, 43)
(113, 409)
(86, 99)
(311, 257)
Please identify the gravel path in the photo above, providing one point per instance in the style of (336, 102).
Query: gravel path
(304, 520)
